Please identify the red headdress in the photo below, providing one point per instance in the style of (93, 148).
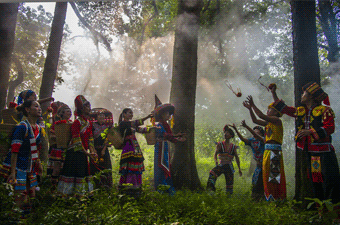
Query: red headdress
(79, 103)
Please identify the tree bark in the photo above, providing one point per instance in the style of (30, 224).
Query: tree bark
(53, 52)
(329, 25)
(8, 18)
(14, 83)
(183, 93)
(306, 69)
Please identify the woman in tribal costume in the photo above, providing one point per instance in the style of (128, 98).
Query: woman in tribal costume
(75, 175)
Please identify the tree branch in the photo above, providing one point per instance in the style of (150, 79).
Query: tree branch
(14, 83)
(95, 33)
(149, 20)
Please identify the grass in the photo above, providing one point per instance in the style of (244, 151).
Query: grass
(185, 207)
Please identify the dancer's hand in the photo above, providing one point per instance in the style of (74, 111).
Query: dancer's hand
(233, 126)
(246, 104)
(250, 100)
(243, 123)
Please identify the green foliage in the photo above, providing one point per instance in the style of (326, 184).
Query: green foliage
(185, 207)
(9, 213)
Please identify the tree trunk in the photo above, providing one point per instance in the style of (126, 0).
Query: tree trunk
(183, 93)
(306, 69)
(8, 18)
(53, 52)
(329, 25)
(14, 83)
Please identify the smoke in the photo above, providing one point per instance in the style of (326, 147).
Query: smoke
(233, 49)
(330, 87)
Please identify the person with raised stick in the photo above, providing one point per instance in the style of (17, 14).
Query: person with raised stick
(274, 179)
(315, 125)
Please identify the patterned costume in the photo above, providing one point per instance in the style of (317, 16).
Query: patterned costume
(225, 155)
(257, 148)
(131, 161)
(25, 142)
(75, 175)
(323, 167)
(104, 160)
(162, 173)
(274, 179)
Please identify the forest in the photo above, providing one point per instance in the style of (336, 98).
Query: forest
(196, 55)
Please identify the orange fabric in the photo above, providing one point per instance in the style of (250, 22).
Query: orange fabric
(273, 191)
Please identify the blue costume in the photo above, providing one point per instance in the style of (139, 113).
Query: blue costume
(24, 142)
(257, 148)
(162, 156)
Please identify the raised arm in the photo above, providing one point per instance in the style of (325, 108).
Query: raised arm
(272, 88)
(271, 119)
(238, 162)
(252, 115)
(245, 140)
(243, 123)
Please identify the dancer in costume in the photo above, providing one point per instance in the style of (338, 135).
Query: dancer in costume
(162, 168)
(257, 146)
(131, 161)
(101, 145)
(274, 180)
(224, 155)
(22, 162)
(315, 124)
(56, 156)
(75, 175)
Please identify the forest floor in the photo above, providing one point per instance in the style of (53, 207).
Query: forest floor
(185, 207)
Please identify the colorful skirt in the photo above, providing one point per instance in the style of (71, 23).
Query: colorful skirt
(131, 164)
(75, 175)
(274, 179)
(104, 162)
(21, 177)
(162, 176)
(323, 172)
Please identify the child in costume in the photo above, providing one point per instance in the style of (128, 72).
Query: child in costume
(224, 155)
(22, 162)
(101, 145)
(162, 168)
(274, 180)
(56, 156)
(257, 146)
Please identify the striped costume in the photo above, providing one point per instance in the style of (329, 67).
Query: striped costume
(225, 155)
(25, 142)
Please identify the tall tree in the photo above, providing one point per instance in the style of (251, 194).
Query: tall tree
(53, 52)
(8, 18)
(306, 69)
(329, 26)
(183, 92)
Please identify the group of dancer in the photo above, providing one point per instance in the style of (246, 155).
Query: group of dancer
(72, 168)
(315, 125)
